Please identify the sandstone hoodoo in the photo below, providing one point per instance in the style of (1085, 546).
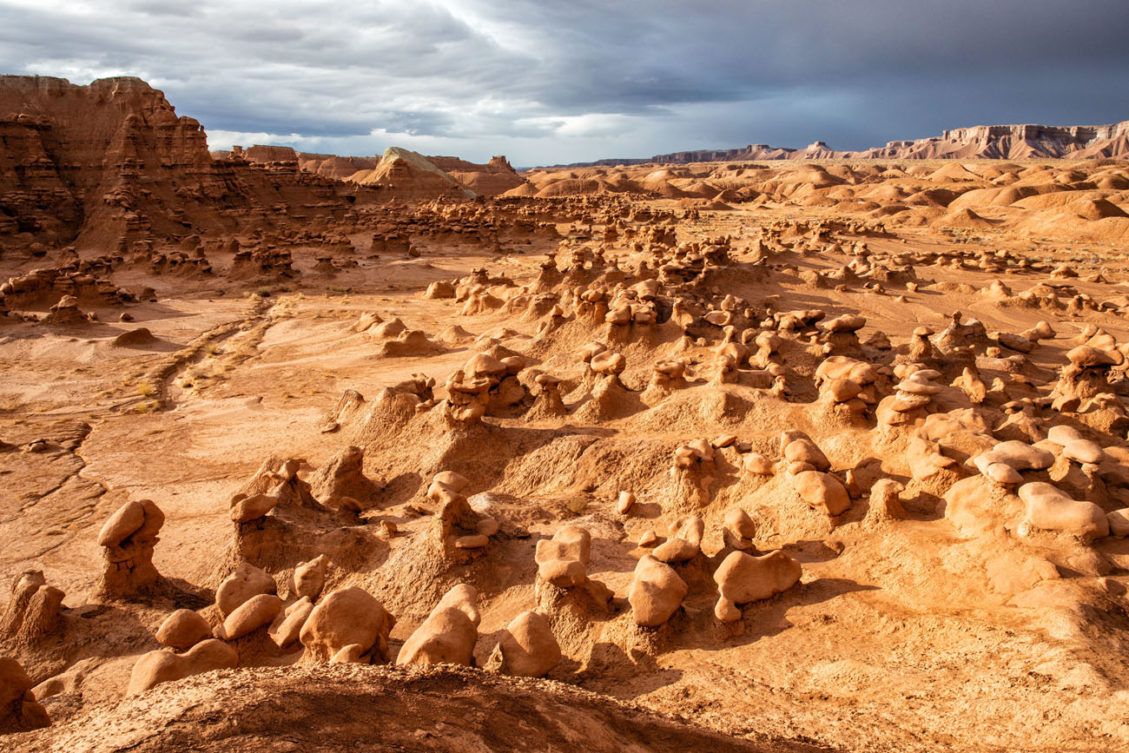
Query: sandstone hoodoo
(763, 450)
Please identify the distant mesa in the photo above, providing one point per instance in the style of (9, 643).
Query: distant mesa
(1005, 142)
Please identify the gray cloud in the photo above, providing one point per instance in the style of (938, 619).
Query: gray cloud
(550, 82)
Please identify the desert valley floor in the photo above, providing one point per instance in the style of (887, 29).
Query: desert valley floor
(780, 456)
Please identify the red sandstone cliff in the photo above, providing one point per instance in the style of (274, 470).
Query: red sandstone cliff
(111, 162)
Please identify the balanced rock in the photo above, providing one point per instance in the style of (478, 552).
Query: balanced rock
(127, 539)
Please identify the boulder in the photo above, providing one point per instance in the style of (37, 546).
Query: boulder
(526, 647)
(821, 491)
(563, 559)
(19, 711)
(258, 611)
(287, 627)
(164, 665)
(656, 592)
(448, 634)
(348, 616)
(183, 629)
(1048, 508)
(742, 578)
(309, 578)
(686, 543)
(244, 582)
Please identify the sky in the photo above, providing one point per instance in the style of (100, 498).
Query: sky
(558, 81)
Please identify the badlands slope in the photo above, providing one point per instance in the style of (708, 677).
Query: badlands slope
(722, 456)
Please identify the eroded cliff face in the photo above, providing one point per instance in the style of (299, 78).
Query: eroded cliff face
(96, 163)
(977, 142)
(1059, 136)
(109, 163)
(1015, 142)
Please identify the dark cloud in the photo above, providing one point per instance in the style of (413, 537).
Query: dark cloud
(550, 81)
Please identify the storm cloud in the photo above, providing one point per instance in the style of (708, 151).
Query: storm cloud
(547, 82)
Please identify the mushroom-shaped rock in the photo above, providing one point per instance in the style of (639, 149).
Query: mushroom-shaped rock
(345, 617)
(183, 629)
(742, 578)
(668, 375)
(1075, 446)
(526, 647)
(1018, 455)
(446, 485)
(608, 363)
(1048, 508)
(127, 539)
(656, 592)
(448, 634)
(563, 559)
(457, 531)
(467, 398)
(164, 665)
(694, 470)
(548, 402)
